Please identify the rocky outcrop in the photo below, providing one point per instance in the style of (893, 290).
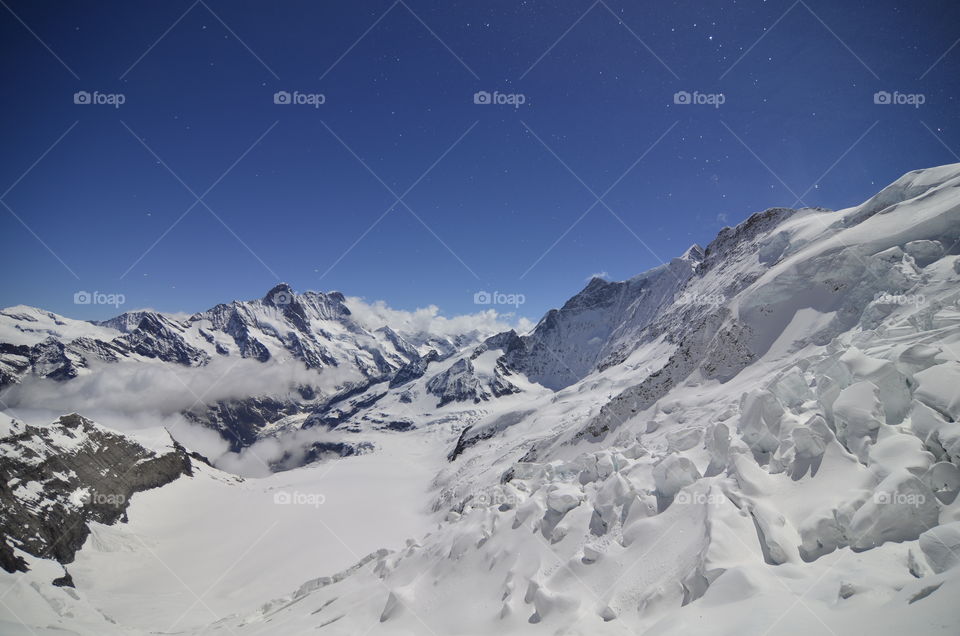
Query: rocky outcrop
(605, 320)
(413, 370)
(315, 329)
(56, 479)
(239, 422)
(462, 383)
(155, 337)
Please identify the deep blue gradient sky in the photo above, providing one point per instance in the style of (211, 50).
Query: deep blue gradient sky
(290, 206)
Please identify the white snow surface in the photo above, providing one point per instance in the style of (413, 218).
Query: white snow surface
(28, 325)
(781, 459)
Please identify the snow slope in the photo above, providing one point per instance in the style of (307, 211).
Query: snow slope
(765, 440)
(236, 368)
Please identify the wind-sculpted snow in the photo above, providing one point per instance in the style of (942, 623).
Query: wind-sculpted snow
(757, 438)
(777, 429)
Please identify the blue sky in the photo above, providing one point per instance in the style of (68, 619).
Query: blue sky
(98, 197)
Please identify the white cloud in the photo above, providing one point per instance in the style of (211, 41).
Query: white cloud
(146, 398)
(288, 449)
(428, 320)
(130, 387)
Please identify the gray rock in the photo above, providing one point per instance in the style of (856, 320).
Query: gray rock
(55, 479)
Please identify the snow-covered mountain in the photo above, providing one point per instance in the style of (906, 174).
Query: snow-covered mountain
(758, 437)
(62, 476)
(316, 329)
(328, 351)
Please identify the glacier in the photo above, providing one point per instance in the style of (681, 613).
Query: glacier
(760, 436)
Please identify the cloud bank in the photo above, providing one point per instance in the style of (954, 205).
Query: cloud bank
(136, 387)
(134, 397)
(143, 398)
(428, 319)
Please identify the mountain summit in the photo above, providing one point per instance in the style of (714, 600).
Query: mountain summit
(760, 435)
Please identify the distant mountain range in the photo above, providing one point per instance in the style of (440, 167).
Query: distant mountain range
(699, 445)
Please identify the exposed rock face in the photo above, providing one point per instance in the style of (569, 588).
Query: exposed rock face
(55, 479)
(603, 321)
(461, 382)
(472, 435)
(14, 362)
(413, 370)
(315, 329)
(47, 359)
(457, 383)
(340, 410)
(239, 422)
(155, 337)
(321, 450)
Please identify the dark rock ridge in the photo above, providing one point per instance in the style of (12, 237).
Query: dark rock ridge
(413, 369)
(319, 451)
(239, 422)
(334, 415)
(317, 329)
(157, 337)
(461, 383)
(599, 323)
(56, 479)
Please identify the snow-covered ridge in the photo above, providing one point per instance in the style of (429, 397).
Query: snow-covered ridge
(762, 436)
(63, 476)
(313, 328)
(312, 350)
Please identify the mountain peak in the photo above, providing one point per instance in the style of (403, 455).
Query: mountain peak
(693, 253)
(280, 294)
